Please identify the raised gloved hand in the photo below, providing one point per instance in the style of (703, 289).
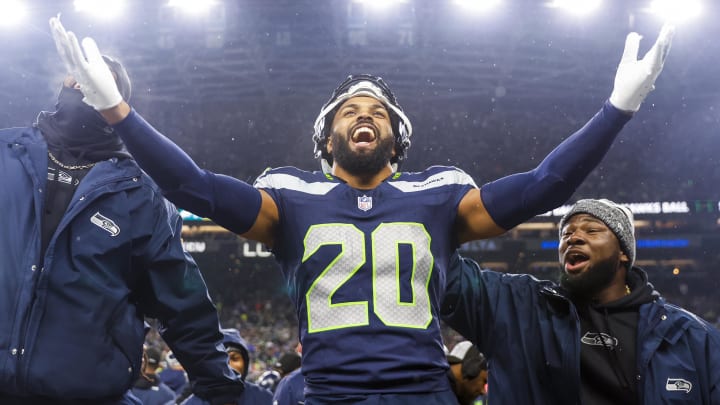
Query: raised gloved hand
(636, 78)
(94, 77)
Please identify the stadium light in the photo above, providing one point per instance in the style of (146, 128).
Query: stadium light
(380, 4)
(192, 6)
(478, 5)
(13, 13)
(100, 8)
(676, 10)
(576, 7)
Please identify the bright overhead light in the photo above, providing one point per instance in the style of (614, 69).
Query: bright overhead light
(478, 5)
(100, 8)
(192, 6)
(380, 4)
(14, 12)
(676, 10)
(577, 7)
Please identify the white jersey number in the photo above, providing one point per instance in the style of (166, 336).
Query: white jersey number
(386, 239)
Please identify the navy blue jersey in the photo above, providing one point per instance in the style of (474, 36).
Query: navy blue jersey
(366, 271)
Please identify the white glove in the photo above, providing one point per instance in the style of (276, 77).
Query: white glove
(636, 78)
(93, 75)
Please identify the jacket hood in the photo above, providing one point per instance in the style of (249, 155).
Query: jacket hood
(233, 340)
(641, 291)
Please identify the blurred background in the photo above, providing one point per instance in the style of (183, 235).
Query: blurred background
(490, 86)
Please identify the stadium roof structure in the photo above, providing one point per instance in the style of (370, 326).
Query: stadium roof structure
(509, 82)
(249, 49)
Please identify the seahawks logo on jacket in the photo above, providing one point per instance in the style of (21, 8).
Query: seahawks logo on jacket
(599, 339)
(678, 384)
(62, 177)
(105, 223)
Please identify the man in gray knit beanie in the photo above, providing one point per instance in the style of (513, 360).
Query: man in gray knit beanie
(603, 336)
(597, 249)
(618, 218)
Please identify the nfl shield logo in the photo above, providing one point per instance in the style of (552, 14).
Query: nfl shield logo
(365, 203)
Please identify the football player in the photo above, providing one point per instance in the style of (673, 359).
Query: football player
(365, 247)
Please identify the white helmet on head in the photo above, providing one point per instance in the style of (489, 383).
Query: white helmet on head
(362, 85)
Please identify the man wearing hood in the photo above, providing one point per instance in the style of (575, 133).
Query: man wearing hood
(239, 360)
(89, 248)
(603, 336)
(237, 349)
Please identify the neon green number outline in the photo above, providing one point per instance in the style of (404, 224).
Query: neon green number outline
(323, 315)
(321, 312)
(386, 295)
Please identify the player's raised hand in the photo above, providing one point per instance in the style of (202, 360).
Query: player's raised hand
(636, 78)
(87, 66)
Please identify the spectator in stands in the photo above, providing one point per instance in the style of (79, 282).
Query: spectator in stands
(173, 374)
(468, 373)
(90, 248)
(237, 349)
(287, 363)
(238, 353)
(148, 388)
(604, 335)
(291, 389)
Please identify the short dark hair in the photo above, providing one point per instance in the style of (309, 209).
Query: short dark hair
(154, 356)
(472, 360)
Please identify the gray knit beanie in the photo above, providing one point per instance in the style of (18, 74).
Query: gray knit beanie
(618, 218)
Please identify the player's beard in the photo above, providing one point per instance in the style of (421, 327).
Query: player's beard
(595, 279)
(361, 163)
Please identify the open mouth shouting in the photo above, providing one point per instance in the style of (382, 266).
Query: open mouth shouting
(575, 261)
(364, 134)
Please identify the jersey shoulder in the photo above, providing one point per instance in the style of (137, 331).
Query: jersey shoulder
(430, 178)
(294, 179)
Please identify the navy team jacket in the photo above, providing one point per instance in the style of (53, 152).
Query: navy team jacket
(530, 334)
(72, 317)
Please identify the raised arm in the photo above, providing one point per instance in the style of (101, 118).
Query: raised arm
(229, 202)
(502, 204)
